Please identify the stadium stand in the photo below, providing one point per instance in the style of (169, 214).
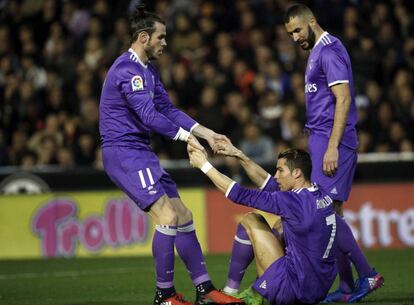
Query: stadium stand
(229, 64)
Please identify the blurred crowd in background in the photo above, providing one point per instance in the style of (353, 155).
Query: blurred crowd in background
(229, 64)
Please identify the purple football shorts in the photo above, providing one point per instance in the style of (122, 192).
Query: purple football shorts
(276, 283)
(338, 186)
(139, 174)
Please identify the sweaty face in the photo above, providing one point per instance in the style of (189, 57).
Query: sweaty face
(300, 31)
(284, 177)
(157, 42)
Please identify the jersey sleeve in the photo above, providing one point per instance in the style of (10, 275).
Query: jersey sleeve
(130, 81)
(165, 106)
(270, 185)
(284, 204)
(334, 66)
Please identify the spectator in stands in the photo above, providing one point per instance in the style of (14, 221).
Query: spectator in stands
(28, 160)
(52, 129)
(17, 148)
(85, 149)
(47, 150)
(406, 146)
(209, 112)
(270, 110)
(365, 141)
(65, 158)
(257, 146)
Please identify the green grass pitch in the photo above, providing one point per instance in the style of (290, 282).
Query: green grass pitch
(130, 281)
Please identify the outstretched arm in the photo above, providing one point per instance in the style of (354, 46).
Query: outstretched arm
(209, 135)
(255, 172)
(261, 200)
(164, 106)
(198, 159)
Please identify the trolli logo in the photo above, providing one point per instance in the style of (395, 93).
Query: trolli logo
(61, 230)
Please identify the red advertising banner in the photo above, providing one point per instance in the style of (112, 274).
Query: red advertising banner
(222, 219)
(380, 215)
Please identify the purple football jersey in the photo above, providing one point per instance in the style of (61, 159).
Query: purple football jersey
(134, 103)
(309, 229)
(328, 64)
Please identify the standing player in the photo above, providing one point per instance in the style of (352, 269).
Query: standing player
(331, 120)
(133, 104)
(306, 271)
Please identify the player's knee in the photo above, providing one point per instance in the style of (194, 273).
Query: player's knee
(251, 220)
(185, 216)
(170, 218)
(167, 216)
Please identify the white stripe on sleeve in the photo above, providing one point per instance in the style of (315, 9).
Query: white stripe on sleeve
(265, 182)
(242, 241)
(229, 188)
(194, 126)
(342, 81)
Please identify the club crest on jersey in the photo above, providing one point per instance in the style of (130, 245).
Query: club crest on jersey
(310, 64)
(137, 83)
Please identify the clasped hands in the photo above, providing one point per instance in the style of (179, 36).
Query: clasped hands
(219, 143)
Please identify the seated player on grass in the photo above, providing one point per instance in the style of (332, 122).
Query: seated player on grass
(242, 252)
(304, 271)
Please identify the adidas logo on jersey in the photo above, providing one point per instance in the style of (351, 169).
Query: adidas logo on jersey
(166, 303)
(334, 191)
(263, 285)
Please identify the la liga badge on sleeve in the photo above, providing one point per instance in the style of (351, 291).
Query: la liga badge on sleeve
(137, 83)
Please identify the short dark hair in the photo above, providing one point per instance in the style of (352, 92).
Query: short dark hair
(298, 158)
(141, 20)
(295, 10)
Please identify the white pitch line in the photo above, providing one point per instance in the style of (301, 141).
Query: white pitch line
(65, 273)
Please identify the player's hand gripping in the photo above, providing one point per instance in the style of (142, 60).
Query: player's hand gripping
(330, 161)
(196, 156)
(226, 148)
(215, 139)
(192, 142)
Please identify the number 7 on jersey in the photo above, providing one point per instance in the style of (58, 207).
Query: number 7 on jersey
(330, 221)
